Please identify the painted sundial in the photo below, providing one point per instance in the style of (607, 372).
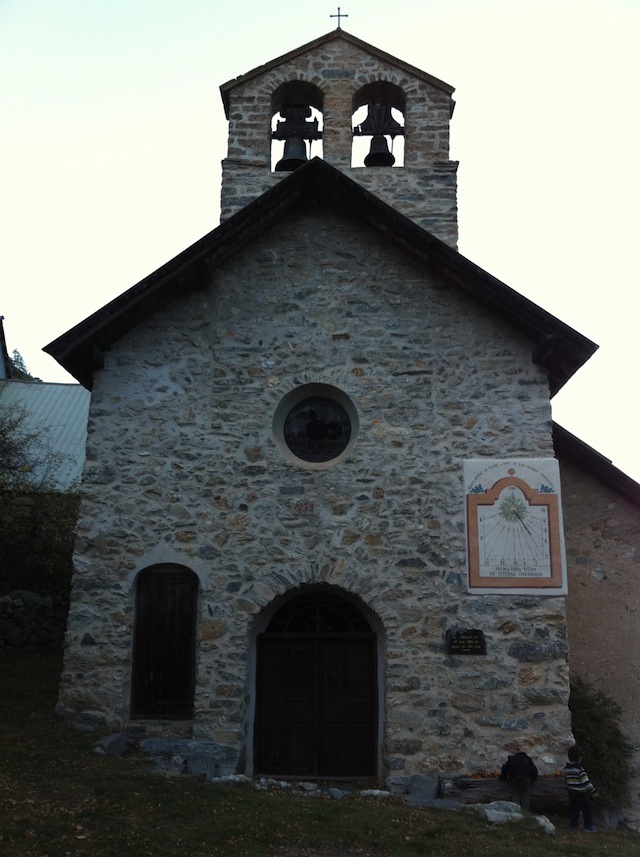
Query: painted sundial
(514, 526)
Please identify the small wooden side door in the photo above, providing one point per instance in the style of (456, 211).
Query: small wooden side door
(163, 673)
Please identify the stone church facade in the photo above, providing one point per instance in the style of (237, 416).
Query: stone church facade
(271, 552)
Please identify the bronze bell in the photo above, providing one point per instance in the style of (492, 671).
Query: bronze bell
(294, 156)
(379, 154)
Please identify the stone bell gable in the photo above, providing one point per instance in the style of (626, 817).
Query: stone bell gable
(224, 527)
(335, 76)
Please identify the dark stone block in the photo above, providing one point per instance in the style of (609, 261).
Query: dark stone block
(411, 562)
(534, 653)
(115, 745)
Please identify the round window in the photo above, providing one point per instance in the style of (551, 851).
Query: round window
(317, 429)
(316, 424)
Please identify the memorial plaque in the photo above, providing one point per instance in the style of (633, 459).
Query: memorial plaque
(467, 641)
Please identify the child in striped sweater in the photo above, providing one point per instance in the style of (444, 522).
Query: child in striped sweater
(580, 790)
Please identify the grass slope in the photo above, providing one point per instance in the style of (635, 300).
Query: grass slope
(59, 799)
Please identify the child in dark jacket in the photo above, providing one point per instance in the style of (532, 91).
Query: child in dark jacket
(520, 771)
(580, 789)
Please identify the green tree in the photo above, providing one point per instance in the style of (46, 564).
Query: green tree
(21, 453)
(19, 364)
(596, 724)
(36, 521)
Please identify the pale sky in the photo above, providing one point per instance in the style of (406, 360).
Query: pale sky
(112, 132)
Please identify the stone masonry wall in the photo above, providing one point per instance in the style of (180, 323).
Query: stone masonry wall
(182, 468)
(424, 189)
(602, 531)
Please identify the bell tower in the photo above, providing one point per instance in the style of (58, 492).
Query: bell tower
(377, 119)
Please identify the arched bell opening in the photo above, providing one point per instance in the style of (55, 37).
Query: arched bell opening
(296, 125)
(378, 121)
(318, 704)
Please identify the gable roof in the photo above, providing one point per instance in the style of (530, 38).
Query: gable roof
(324, 40)
(555, 345)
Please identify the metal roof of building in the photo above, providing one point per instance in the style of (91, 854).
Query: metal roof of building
(57, 414)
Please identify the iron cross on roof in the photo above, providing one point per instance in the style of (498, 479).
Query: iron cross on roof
(338, 16)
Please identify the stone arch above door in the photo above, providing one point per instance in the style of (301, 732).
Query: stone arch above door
(317, 688)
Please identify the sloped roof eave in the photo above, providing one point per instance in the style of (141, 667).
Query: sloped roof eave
(589, 460)
(559, 347)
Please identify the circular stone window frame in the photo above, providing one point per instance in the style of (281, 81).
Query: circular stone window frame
(300, 394)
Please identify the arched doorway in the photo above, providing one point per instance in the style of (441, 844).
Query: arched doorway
(164, 645)
(316, 691)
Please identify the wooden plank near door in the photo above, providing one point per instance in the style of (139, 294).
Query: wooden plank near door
(347, 707)
(285, 707)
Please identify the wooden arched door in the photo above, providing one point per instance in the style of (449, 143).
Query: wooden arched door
(163, 671)
(316, 700)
